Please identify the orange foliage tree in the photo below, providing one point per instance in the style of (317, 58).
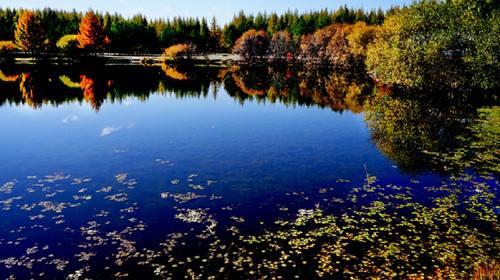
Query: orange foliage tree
(29, 35)
(91, 36)
(251, 44)
(94, 90)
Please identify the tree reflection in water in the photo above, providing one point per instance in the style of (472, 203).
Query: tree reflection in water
(375, 231)
(407, 126)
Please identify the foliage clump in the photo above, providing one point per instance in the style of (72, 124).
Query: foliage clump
(439, 43)
(282, 46)
(179, 51)
(7, 47)
(337, 45)
(68, 43)
(252, 44)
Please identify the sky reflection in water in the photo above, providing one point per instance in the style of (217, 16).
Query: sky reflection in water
(142, 161)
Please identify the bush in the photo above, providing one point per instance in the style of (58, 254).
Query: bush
(179, 51)
(68, 43)
(282, 46)
(329, 46)
(251, 44)
(7, 47)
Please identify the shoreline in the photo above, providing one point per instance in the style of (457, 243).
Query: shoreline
(216, 59)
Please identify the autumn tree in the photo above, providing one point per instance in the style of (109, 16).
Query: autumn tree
(359, 38)
(91, 36)
(337, 51)
(327, 46)
(215, 37)
(29, 35)
(282, 46)
(179, 51)
(252, 44)
(432, 44)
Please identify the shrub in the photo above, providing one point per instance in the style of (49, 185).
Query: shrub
(179, 51)
(68, 43)
(252, 44)
(282, 46)
(7, 47)
(328, 45)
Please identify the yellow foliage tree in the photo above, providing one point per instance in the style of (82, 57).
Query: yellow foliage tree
(178, 51)
(360, 37)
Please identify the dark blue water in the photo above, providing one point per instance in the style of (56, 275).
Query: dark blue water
(112, 166)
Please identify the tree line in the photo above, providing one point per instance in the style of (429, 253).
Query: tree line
(431, 43)
(142, 35)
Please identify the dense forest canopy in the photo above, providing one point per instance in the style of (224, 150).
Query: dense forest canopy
(430, 43)
(139, 34)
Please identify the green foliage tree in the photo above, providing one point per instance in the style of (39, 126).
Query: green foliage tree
(439, 43)
(8, 18)
(134, 35)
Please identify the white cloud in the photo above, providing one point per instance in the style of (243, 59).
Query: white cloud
(68, 119)
(108, 130)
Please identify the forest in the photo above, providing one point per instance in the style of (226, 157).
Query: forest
(141, 35)
(430, 43)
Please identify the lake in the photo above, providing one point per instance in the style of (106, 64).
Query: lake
(127, 171)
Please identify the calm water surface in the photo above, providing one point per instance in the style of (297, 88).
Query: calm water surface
(111, 152)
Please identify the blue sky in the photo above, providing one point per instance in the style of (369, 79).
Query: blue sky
(222, 9)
